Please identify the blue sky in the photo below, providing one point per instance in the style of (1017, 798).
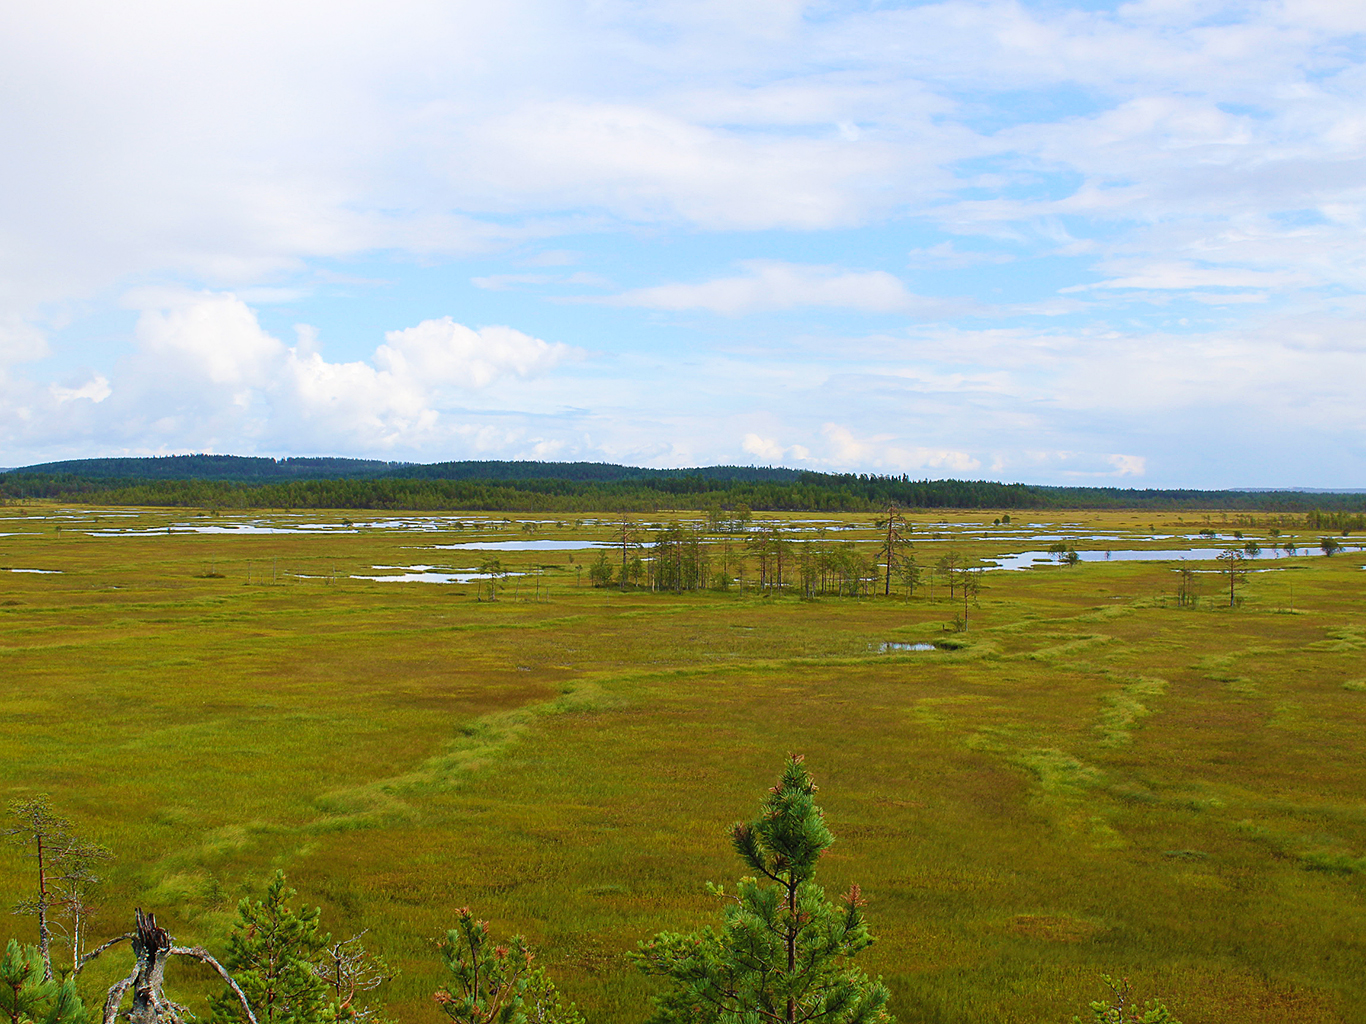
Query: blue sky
(1110, 243)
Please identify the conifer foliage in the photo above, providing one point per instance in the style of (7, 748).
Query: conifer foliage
(1121, 1008)
(494, 983)
(271, 953)
(26, 997)
(783, 951)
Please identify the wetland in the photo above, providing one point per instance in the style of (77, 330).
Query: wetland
(1093, 776)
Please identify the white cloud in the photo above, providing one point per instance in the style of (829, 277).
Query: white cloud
(769, 285)
(947, 256)
(501, 282)
(889, 454)
(1174, 275)
(96, 390)
(206, 370)
(445, 352)
(20, 341)
(209, 336)
(1129, 465)
(771, 451)
(248, 150)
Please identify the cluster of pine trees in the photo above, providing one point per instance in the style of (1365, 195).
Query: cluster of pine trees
(682, 557)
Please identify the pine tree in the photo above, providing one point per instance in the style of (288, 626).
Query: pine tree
(495, 984)
(783, 952)
(1120, 1009)
(26, 997)
(48, 836)
(272, 952)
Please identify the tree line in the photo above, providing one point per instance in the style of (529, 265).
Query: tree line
(783, 953)
(801, 492)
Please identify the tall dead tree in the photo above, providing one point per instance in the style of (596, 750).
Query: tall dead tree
(76, 891)
(48, 837)
(896, 524)
(152, 947)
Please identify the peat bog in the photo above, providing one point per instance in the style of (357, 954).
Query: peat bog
(1093, 777)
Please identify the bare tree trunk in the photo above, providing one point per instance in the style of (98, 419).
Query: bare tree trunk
(44, 932)
(152, 946)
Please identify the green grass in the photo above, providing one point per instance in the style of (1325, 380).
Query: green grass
(1090, 780)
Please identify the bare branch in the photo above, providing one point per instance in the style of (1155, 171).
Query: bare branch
(204, 956)
(100, 949)
(116, 991)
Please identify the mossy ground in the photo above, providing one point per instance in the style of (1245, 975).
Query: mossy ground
(1092, 780)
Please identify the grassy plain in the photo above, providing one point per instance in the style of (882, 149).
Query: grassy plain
(1090, 779)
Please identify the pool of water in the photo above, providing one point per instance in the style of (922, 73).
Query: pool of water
(1031, 559)
(522, 545)
(427, 574)
(897, 646)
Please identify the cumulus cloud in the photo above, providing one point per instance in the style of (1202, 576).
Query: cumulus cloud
(208, 336)
(445, 352)
(1199, 204)
(769, 450)
(205, 370)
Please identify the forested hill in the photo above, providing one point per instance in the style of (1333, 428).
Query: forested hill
(227, 481)
(247, 469)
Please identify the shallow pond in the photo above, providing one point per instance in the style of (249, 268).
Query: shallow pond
(429, 574)
(1031, 559)
(522, 545)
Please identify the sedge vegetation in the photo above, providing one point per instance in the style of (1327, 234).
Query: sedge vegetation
(1110, 771)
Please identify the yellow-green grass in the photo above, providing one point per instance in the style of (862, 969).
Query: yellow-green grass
(1092, 780)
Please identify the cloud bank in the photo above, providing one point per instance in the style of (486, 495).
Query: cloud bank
(967, 236)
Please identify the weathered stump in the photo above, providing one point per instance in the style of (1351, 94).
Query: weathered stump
(152, 947)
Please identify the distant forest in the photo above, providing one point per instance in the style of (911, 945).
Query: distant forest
(235, 482)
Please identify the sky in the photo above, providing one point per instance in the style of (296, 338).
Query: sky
(1083, 243)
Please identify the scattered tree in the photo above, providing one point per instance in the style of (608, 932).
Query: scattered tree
(272, 952)
(908, 572)
(971, 582)
(630, 541)
(948, 567)
(893, 547)
(783, 952)
(1120, 1008)
(1232, 565)
(1329, 546)
(678, 559)
(349, 969)
(1185, 587)
(493, 569)
(495, 984)
(600, 572)
(76, 890)
(48, 838)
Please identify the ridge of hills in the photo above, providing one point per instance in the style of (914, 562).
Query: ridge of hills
(252, 469)
(326, 482)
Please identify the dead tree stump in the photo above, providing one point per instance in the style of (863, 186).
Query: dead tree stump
(152, 947)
